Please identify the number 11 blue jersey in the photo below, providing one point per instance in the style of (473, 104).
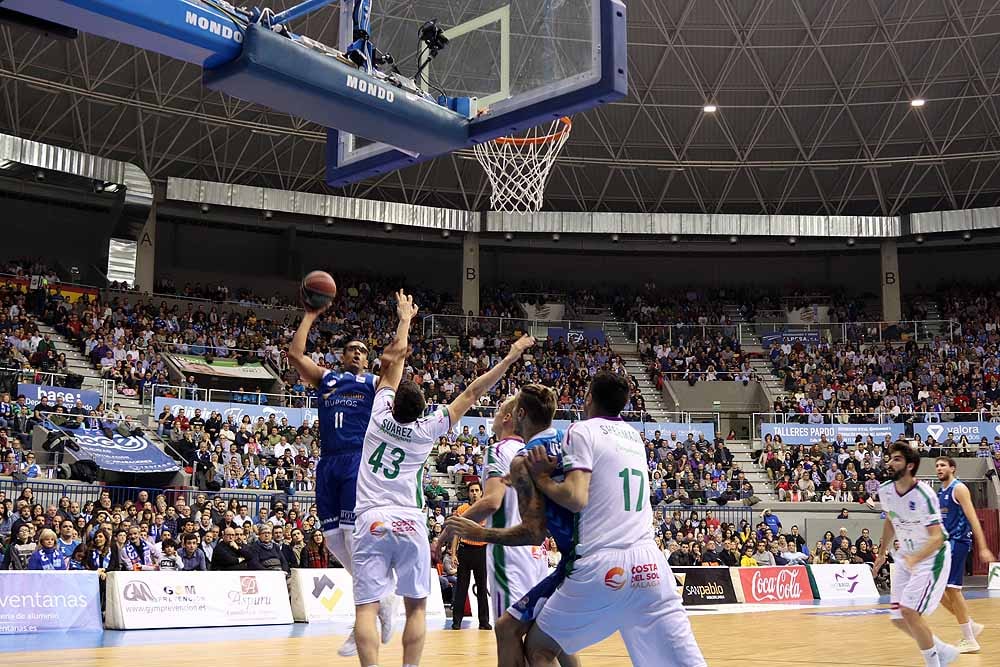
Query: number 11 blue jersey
(344, 408)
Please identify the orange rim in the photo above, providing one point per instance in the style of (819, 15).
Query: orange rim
(567, 125)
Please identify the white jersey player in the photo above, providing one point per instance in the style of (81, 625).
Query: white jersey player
(390, 531)
(923, 558)
(620, 581)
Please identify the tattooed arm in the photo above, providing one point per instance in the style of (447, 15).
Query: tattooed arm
(531, 505)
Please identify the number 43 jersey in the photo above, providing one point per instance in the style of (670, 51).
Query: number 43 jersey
(392, 461)
(618, 513)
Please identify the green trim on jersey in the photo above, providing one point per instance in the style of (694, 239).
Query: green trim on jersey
(420, 486)
(936, 572)
(930, 504)
(499, 520)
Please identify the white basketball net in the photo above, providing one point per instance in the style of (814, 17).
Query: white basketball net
(519, 167)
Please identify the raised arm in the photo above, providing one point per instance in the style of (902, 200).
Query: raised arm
(531, 505)
(394, 355)
(308, 369)
(483, 383)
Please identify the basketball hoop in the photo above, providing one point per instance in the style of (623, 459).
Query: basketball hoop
(519, 167)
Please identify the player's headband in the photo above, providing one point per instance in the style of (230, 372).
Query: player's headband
(357, 344)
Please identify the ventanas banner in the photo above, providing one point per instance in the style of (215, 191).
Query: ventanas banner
(33, 602)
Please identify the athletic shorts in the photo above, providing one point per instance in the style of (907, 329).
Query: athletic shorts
(529, 606)
(959, 553)
(512, 573)
(921, 588)
(388, 541)
(631, 591)
(336, 488)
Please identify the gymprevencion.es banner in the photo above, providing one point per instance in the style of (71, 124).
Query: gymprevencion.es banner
(295, 416)
(33, 394)
(973, 431)
(790, 337)
(39, 601)
(132, 453)
(808, 434)
(324, 596)
(577, 335)
(147, 600)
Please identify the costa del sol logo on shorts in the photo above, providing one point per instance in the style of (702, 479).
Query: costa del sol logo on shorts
(377, 529)
(615, 579)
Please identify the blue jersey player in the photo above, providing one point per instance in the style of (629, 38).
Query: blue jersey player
(344, 407)
(962, 524)
(532, 414)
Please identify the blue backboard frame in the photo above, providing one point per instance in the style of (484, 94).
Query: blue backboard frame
(607, 84)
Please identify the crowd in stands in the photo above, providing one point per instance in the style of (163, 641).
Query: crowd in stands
(695, 359)
(695, 539)
(152, 532)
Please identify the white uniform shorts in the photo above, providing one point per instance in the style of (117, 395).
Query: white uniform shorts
(388, 541)
(630, 591)
(512, 572)
(921, 588)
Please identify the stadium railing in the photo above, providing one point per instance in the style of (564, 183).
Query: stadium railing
(49, 492)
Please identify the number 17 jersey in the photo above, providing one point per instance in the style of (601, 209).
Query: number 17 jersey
(393, 457)
(618, 514)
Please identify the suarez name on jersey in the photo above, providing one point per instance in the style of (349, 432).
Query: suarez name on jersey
(344, 408)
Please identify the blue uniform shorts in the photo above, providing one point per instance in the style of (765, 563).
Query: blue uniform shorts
(336, 489)
(959, 552)
(528, 607)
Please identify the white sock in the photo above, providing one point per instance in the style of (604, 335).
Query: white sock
(409, 665)
(931, 657)
(967, 632)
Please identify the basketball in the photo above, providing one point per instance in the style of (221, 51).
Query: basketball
(318, 290)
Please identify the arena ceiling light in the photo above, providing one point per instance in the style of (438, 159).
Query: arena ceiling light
(792, 240)
(919, 238)
(508, 237)
(555, 237)
(966, 236)
(851, 241)
(445, 233)
(734, 239)
(710, 108)
(917, 102)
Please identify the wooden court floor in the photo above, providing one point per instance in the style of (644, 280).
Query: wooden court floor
(798, 638)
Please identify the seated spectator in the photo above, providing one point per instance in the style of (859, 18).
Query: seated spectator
(229, 554)
(20, 549)
(47, 556)
(315, 554)
(265, 554)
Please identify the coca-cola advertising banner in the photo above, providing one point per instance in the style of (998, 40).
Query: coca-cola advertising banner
(705, 585)
(763, 585)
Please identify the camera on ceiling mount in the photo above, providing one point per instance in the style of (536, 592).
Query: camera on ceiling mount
(433, 36)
